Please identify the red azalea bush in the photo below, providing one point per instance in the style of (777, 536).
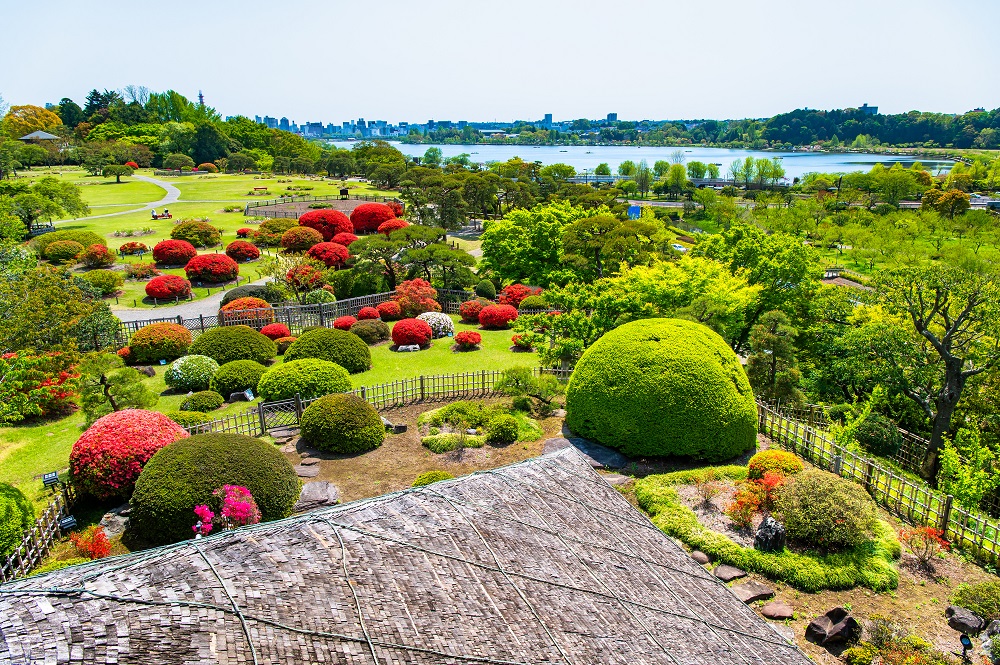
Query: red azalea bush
(244, 232)
(251, 312)
(752, 497)
(368, 216)
(330, 253)
(92, 543)
(344, 239)
(396, 207)
(125, 353)
(208, 167)
(416, 296)
(497, 317)
(140, 270)
(242, 251)
(300, 238)
(212, 268)
(168, 287)
(388, 311)
(98, 256)
(368, 313)
(159, 341)
(924, 542)
(391, 225)
(522, 342)
(131, 165)
(344, 322)
(275, 331)
(513, 294)
(411, 331)
(469, 311)
(468, 340)
(328, 222)
(106, 460)
(304, 276)
(174, 252)
(131, 248)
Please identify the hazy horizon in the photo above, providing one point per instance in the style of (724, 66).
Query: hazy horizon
(447, 60)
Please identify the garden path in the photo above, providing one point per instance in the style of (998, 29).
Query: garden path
(207, 306)
(171, 196)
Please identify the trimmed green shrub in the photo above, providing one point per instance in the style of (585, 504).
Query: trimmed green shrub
(371, 331)
(533, 302)
(229, 343)
(781, 462)
(485, 289)
(17, 515)
(199, 234)
(824, 510)
(85, 238)
(309, 377)
(428, 477)
(663, 387)
(63, 251)
(185, 473)
(318, 297)
(501, 430)
(188, 418)
(870, 565)
(203, 401)
(159, 341)
(473, 414)
(337, 346)
(447, 441)
(58, 565)
(236, 376)
(106, 282)
(983, 598)
(342, 423)
(879, 435)
(190, 373)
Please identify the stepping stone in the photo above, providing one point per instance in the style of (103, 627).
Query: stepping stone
(306, 471)
(778, 610)
(599, 456)
(288, 448)
(317, 494)
(559, 413)
(750, 592)
(309, 461)
(700, 557)
(728, 573)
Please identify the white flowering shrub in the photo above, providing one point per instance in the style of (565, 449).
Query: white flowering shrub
(191, 373)
(441, 324)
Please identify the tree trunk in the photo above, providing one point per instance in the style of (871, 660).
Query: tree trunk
(945, 404)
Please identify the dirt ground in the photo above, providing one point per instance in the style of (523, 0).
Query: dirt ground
(299, 207)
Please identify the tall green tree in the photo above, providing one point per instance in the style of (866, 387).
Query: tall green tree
(107, 385)
(771, 365)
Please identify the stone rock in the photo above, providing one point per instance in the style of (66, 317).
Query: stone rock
(993, 628)
(728, 573)
(238, 397)
(750, 592)
(114, 521)
(599, 456)
(288, 448)
(834, 627)
(700, 557)
(307, 471)
(317, 494)
(615, 479)
(777, 610)
(964, 621)
(309, 461)
(472, 431)
(770, 536)
(408, 348)
(559, 413)
(147, 370)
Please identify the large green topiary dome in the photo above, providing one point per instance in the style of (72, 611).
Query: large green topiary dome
(228, 343)
(663, 387)
(309, 378)
(342, 423)
(180, 477)
(336, 346)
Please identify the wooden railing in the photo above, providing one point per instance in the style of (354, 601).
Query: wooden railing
(39, 540)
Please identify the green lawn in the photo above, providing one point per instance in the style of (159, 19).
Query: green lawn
(101, 194)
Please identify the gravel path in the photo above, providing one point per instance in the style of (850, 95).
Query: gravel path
(208, 306)
(172, 195)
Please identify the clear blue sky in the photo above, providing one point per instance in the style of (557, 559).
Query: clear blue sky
(466, 59)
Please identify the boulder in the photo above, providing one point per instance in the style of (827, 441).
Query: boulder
(770, 536)
(317, 494)
(700, 557)
(147, 370)
(964, 621)
(834, 627)
(238, 397)
(615, 479)
(750, 592)
(777, 610)
(115, 521)
(306, 471)
(408, 348)
(993, 628)
(309, 461)
(728, 573)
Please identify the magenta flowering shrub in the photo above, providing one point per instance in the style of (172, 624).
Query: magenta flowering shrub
(235, 507)
(205, 517)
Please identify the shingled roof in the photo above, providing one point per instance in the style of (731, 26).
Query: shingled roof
(538, 562)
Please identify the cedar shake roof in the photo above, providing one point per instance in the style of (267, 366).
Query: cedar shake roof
(537, 562)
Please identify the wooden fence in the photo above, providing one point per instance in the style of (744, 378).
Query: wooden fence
(910, 500)
(39, 540)
(256, 206)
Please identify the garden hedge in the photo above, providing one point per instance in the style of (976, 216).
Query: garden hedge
(228, 343)
(428, 477)
(17, 516)
(371, 331)
(107, 458)
(191, 373)
(199, 234)
(236, 376)
(309, 378)
(184, 475)
(173, 252)
(168, 287)
(485, 289)
(319, 297)
(823, 510)
(107, 282)
(470, 309)
(337, 346)
(663, 387)
(63, 251)
(159, 341)
(242, 251)
(342, 423)
(329, 253)
(328, 222)
(85, 238)
(203, 401)
(411, 331)
(188, 418)
(300, 238)
(773, 460)
(367, 217)
(212, 268)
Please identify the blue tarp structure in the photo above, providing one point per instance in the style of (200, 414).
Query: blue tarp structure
(634, 212)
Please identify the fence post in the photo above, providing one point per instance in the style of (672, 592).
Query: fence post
(201, 318)
(180, 321)
(260, 416)
(422, 391)
(838, 464)
(946, 514)
(298, 407)
(868, 475)
(322, 306)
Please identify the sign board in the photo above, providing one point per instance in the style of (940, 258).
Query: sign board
(634, 212)
(249, 394)
(68, 522)
(163, 362)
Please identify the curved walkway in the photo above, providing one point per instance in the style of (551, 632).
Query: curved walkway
(172, 195)
(207, 306)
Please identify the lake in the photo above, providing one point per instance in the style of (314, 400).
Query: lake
(587, 157)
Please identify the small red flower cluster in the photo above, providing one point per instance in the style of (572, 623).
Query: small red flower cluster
(522, 342)
(106, 460)
(212, 268)
(93, 543)
(344, 322)
(168, 287)
(328, 222)
(247, 311)
(369, 216)
(513, 295)
(754, 496)
(131, 248)
(367, 313)
(131, 165)
(174, 252)
(388, 311)
(300, 238)
(391, 225)
(275, 331)
(330, 253)
(242, 251)
(344, 239)
(244, 232)
(304, 276)
(468, 340)
(140, 270)
(497, 317)
(97, 256)
(411, 331)
(924, 542)
(469, 311)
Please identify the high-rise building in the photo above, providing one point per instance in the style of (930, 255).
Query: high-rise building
(868, 110)
(612, 117)
(283, 125)
(270, 122)
(548, 120)
(257, 119)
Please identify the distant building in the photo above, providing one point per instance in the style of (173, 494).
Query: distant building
(868, 110)
(612, 117)
(283, 124)
(978, 109)
(548, 120)
(271, 122)
(256, 119)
